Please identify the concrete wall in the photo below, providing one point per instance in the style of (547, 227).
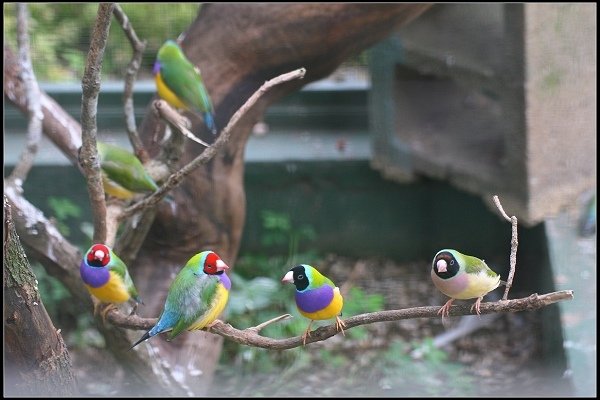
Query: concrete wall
(494, 98)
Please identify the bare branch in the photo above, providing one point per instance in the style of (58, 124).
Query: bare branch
(133, 67)
(61, 260)
(34, 108)
(89, 108)
(175, 179)
(260, 327)
(112, 223)
(176, 120)
(29, 331)
(500, 208)
(58, 256)
(136, 229)
(514, 243)
(58, 125)
(250, 336)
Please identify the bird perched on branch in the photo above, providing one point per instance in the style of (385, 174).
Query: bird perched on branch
(123, 175)
(180, 84)
(460, 276)
(106, 277)
(317, 297)
(197, 296)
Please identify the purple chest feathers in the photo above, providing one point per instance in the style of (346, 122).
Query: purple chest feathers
(94, 276)
(313, 300)
(224, 279)
(156, 68)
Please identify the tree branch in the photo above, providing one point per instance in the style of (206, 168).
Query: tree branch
(34, 108)
(37, 359)
(514, 243)
(250, 336)
(136, 229)
(61, 260)
(62, 129)
(89, 108)
(133, 67)
(58, 256)
(175, 179)
(176, 120)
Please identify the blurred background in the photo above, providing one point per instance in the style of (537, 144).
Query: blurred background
(366, 175)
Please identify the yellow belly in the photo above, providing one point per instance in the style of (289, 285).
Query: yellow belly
(479, 285)
(116, 190)
(113, 292)
(215, 310)
(334, 308)
(167, 95)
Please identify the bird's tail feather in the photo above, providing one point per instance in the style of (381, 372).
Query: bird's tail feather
(145, 337)
(209, 120)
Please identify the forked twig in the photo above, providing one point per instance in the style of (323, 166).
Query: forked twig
(514, 243)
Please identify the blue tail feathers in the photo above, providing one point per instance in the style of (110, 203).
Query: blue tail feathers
(145, 337)
(209, 121)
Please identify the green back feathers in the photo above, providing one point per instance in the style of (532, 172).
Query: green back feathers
(183, 78)
(124, 168)
(196, 262)
(472, 265)
(191, 281)
(118, 266)
(315, 278)
(169, 52)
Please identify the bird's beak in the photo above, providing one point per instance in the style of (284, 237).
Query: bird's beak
(221, 266)
(99, 255)
(442, 265)
(288, 278)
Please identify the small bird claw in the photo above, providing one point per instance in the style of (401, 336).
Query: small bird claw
(445, 309)
(477, 305)
(340, 325)
(306, 333)
(109, 307)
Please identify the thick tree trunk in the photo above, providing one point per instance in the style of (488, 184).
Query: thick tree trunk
(238, 47)
(37, 362)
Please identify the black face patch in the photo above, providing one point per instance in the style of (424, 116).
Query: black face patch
(300, 278)
(452, 265)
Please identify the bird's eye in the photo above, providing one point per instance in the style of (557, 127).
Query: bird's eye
(300, 276)
(451, 262)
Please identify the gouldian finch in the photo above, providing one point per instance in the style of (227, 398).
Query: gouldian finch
(106, 277)
(123, 175)
(460, 276)
(180, 84)
(196, 297)
(317, 297)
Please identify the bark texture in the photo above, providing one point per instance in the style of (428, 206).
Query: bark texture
(237, 47)
(37, 362)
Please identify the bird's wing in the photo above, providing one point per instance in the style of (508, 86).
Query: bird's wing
(196, 299)
(117, 266)
(184, 80)
(128, 173)
(474, 265)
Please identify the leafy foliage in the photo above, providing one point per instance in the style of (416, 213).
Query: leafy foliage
(60, 36)
(430, 374)
(64, 209)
